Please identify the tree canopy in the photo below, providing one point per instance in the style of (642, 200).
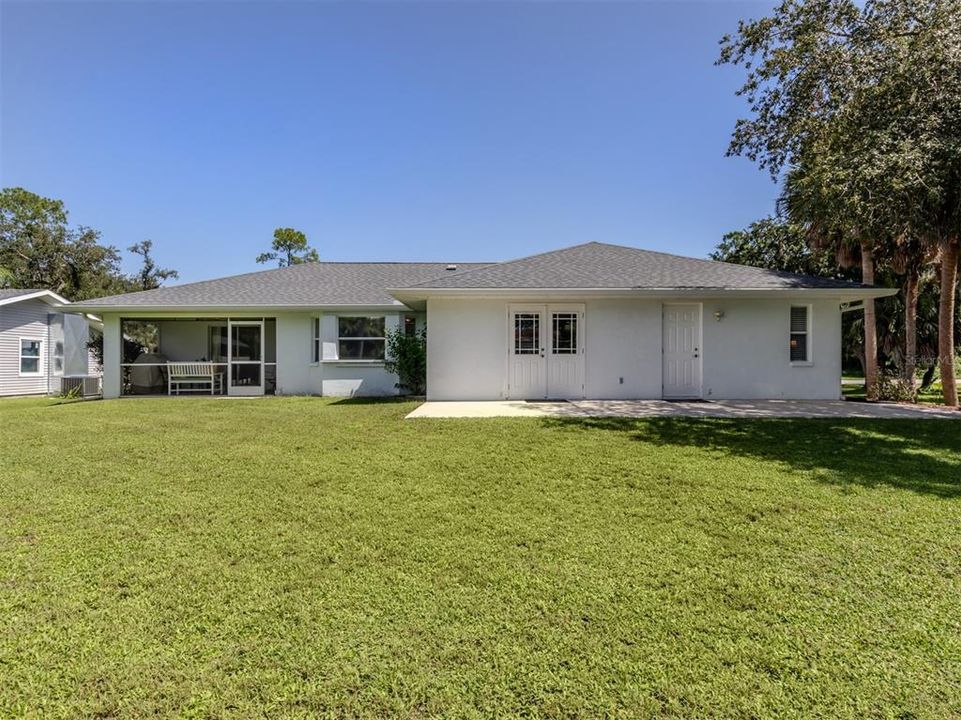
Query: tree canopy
(856, 110)
(289, 248)
(38, 249)
(776, 244)
(150, 276)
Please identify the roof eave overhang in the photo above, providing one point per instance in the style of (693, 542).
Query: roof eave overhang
(210, 310)
(48, 296)
(417, 297)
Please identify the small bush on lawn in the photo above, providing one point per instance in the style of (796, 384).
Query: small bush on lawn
(407, 358)
(896, 388)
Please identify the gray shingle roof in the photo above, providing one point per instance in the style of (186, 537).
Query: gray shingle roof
(308, 285)
(599, 265)
(7, 293)
(588, 266)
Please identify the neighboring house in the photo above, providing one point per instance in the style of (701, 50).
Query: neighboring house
(39, 343)
(594, 320)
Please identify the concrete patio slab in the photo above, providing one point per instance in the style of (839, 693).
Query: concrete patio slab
(663, 408)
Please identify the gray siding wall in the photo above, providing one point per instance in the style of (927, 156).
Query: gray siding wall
(26, 319)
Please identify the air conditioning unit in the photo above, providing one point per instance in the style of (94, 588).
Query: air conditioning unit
(84, 386)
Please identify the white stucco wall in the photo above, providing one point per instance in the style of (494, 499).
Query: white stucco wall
(466, 349)
(623, 349)
(746, 353)
(298, 374)
(744, 356)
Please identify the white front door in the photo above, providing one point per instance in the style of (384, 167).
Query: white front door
(245, 357)
(681, 373)
(527, 372)
(545, 352)
(565, 355)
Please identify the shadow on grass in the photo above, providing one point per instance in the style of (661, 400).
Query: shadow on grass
(919, 455)
(377, 400)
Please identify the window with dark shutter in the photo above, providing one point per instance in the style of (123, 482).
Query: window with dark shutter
(800, 332)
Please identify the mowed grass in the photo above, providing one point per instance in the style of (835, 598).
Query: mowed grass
(298, 557)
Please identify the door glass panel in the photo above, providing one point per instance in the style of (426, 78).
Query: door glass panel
(527, 332)
(564, 333)
(246, 342)
(245, 374)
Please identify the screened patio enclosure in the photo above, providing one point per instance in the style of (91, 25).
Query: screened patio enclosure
(221, 355)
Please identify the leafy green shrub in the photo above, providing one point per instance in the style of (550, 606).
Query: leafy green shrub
(407, 358)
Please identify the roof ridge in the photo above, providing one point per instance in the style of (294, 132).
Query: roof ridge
(706, 261)
(502, 263)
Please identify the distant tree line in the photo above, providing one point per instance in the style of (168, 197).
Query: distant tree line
(39, 249)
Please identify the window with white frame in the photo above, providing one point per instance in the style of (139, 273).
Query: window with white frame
(58, 357)
(800, 344)
(315, 339)
(361, 337)
(31, 351)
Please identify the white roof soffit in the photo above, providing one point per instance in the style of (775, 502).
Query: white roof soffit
(419, 295)
(48, 296)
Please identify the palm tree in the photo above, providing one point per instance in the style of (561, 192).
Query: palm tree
(912, 257)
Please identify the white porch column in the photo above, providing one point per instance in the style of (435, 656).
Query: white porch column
(112, 355)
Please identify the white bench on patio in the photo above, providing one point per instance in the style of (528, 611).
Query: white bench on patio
(197, 376)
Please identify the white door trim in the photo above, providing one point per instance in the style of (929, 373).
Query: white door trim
(696, 391)
(241, 390)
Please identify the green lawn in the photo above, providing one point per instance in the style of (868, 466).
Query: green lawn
(306, 558)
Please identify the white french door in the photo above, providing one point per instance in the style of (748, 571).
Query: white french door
(681, 371)
(245, 357)
(546, 352)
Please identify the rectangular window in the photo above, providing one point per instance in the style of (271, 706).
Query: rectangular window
(361, 337)
(58, 357)
(564, 333)
(30, 353)
(527, 333)
(315, 340)
(800, 334)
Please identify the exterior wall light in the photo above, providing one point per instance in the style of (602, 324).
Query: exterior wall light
(718, 315)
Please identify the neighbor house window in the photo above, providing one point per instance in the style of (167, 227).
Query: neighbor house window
(315, 339)
(361, 337)
(800, 334)
(58, 357)
(30, 353)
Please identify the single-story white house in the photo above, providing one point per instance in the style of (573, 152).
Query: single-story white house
(590, 321)
(40, 344)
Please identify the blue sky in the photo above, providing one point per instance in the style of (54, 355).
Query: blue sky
(385, 131)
